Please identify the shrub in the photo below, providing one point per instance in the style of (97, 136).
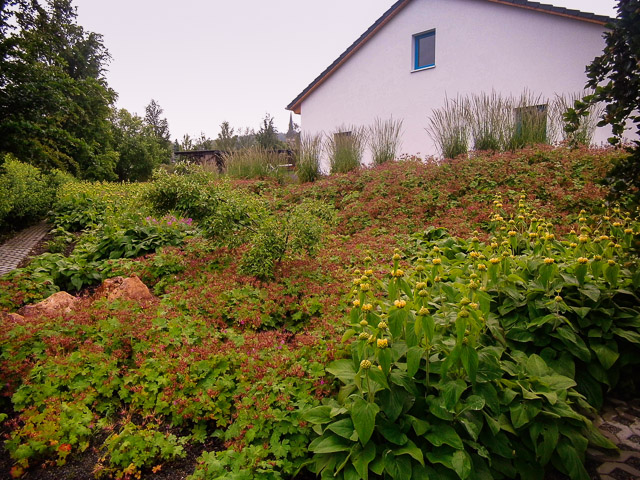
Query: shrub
(25, 193)
(582, 132)
(308, 163)
(345, 147)
(384, 137)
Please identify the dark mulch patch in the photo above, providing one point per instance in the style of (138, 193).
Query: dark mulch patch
(81, 466)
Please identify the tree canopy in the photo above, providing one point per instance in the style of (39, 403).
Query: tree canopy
(54, 100)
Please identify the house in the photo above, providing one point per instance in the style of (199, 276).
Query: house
(423, 51)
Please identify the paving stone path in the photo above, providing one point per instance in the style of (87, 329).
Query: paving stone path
(620, 422)
(16, 249)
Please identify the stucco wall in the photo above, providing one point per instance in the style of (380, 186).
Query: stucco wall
(480, 46)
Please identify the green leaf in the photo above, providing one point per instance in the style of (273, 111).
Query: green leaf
(330, 444)
(536, 366)
(343, 369)
(412, 450)
(461, 463)
(384, 357)
(363, 415)
(343, 427)
(392, 433)
(474, 402)
(414, 355)
(573, 343)
(550, 437)
(558, 382)
(392, 401)
(607, 353)
(444, 435)
(419, 426)
(633, 337)
(399, 468)
(452, 391)
(378, 376)
(571, 461)
(362, 458)
(469, 358)
(318, 415)
(523, 413)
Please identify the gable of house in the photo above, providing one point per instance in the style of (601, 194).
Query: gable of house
(396, 8)
(480, 46)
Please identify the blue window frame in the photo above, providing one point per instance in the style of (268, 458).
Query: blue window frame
(424, 50)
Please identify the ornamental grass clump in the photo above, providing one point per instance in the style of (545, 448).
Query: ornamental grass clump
(384, 140)
(255, 163)
(488, 118)
(308, 164)
(345, 147)
(482, 360)
(528, 121)
(449, 129)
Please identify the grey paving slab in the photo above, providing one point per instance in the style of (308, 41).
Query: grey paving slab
(16, 249)
(619, 422)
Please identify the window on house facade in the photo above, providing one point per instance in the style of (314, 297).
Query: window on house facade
(531, 125)
(424, 50)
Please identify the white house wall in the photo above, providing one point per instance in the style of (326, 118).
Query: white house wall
(480, 46)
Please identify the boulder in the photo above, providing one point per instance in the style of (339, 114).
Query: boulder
(130, 288)
(56, 304)
(11, 317)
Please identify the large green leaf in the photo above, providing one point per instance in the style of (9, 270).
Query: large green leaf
(451, 392)
(362, 458)
(607, 353)
(343, 427)
(461, 462)
(536, 366)
(571, 461)
(363, 414)
(343, 369)
(392, 433)
(330, 444)
(410, 449)
(469, 358)
(318, 415)
(399, 468)
(633, 337)
(414, 356)
(444, 435)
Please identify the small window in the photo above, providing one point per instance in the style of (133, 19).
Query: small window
(424, 50)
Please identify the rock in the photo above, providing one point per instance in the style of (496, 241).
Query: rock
(56, 304)
(130, 288)
(11, 317)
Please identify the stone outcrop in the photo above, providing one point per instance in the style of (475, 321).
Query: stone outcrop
(130, 288)
(57, 304)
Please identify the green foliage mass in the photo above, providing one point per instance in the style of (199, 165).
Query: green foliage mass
(26, 194)
(484, 359)
(476, 358)
(54, 101)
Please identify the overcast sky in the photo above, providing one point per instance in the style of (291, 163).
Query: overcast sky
(206, 61)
